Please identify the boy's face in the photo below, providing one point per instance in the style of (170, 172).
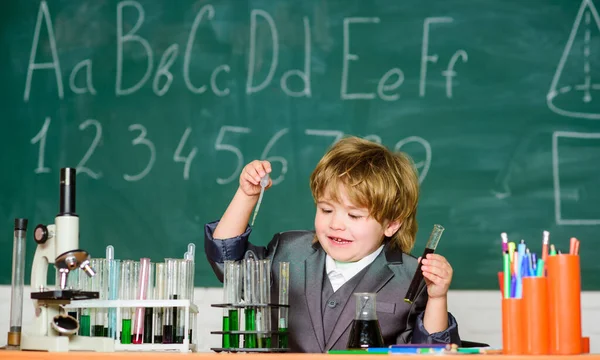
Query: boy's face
(346, 232)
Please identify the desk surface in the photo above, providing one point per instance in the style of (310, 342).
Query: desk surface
(38, 355)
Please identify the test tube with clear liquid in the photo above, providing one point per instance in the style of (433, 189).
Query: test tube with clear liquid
(73, 284)
(104, 295)
(183, 289)
(191, 269)
(141, 294)
(284, 287)
(17, 283)
(114, 277)
(417, 279)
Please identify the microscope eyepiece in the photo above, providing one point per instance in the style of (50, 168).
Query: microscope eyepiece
(67, 191)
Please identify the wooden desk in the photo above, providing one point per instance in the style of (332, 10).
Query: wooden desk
(36, 355)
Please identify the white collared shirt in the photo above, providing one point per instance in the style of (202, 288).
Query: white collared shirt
(338, 272)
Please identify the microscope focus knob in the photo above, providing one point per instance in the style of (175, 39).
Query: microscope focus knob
(40, 234)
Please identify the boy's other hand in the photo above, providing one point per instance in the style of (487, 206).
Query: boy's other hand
(251, 175)
(438, 275)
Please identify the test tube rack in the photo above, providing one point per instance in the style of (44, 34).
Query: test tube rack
(249, 332)
(186, 304)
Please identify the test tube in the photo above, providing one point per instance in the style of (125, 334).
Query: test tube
(85, 282)
(263, 318)
(97, 316)
(17, 283)
(417, 279)
(110, 256)
(190, 283)
(170, 314)
(159, 294)
(148, 311)
(114, 271)
(183, 294)
(249, 299)
(232, 290)
(104, 296)
(126, 293)
(191, 251)
(142, 294)
(284, 286)
(225, 340)
(73, 284)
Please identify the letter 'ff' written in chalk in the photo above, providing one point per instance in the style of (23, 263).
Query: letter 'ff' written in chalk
(161, 77)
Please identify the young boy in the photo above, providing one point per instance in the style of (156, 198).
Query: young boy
(365, 227)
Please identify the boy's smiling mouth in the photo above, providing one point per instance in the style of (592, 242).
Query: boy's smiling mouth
(339, 241)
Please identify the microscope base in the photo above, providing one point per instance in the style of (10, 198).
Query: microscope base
(67, 343)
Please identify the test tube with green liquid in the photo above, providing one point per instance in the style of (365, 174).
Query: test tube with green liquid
(233, 296)
(227, 268)
(250, 275)
(84, 319)
(126, 293)
(284, 286)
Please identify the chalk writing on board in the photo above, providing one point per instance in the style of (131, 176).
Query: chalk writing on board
(558, 194)
(586, 22)
(161, 77)
(222, 143)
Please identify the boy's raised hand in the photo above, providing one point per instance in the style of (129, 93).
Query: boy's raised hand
(251, 175)
(438, 275)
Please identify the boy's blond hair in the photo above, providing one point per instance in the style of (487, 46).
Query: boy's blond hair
(384, 182)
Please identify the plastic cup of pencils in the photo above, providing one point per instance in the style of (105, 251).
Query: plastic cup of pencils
(536, 315)
(513, 331)
(564, 301)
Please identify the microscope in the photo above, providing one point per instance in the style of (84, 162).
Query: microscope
(53, 329)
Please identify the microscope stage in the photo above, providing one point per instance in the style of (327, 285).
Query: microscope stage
(64, 295)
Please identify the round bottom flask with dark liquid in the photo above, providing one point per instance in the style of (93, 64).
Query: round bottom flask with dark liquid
(365, 332)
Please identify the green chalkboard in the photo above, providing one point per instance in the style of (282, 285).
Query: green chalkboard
(158, 104)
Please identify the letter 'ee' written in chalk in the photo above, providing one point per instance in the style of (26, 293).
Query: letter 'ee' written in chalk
(160, 69)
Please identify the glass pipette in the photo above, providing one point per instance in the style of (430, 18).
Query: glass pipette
(264, 181)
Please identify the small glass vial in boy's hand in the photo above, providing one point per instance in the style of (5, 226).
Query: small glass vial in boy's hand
(361, 243)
